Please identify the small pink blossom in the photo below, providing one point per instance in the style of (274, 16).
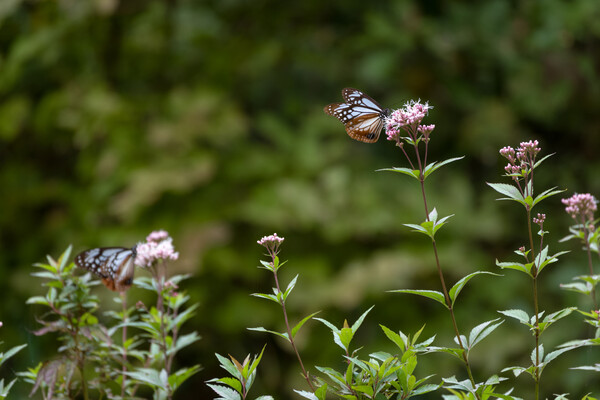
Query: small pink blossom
(158, 247)
(581, 207)
(540, 219)
(408, 119)
(157, 236)
(271, 243)
(522, 160)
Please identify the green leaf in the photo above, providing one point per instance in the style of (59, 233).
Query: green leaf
(553, 354)
(579, 287)
(434, 166)
(458, 286)
(266, 296)
(299, 324)
(448, 350)
(432, 294)
(148, 376)
(283, 335)
(180, 376)
(37, 300)
(346, 335)
(478, 333)
(306, 394)
(423, 228)
(11, 352)
(519, 315)
(510, 191)
(225, 392)
(394, 337)
(229, 366)
(360, 320)
(256, 361)
(545, 194)
(413, 173)
(290, 287)
(526, 268)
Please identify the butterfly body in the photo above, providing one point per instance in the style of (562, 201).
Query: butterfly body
(362, 116)
(115, 266)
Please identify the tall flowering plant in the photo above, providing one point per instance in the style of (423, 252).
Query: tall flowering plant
(93, 362)
(522, 163)
(405, 127)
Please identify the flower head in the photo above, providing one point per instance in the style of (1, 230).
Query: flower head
(408, 118)
(581, 207)
(158, 247)
(271, 243)
(540, 219)
(522, 160)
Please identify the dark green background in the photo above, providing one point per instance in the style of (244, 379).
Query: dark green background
(205, 118)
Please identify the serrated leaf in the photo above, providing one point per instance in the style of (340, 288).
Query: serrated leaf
(458, 286)
(482, 330)
(432, 294)
(510, 191)
(225, 392)
(306, 394)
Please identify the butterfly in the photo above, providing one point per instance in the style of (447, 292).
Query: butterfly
(114, 265)
(362, 116)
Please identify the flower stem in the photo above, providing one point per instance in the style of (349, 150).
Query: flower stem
(123, 340)
(445, 290)
(535, 306)
(305, 374)
(589, 254)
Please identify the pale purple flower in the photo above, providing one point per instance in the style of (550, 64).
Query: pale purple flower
(540, 219)
(521, 160)
(271, 243)
(408, 119)
(581, 207)
(158, 247)
(157, 236)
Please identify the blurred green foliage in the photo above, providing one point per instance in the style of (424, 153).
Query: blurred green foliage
(205, 118)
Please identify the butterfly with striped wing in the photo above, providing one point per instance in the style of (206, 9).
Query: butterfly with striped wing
(362, 116)
(115, 266)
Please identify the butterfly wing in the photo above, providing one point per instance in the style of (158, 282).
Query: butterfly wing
(362, 116)
(114, 265)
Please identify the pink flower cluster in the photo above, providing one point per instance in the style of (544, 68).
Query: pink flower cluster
(581, 206)
(540, 219)
(522, 159)
(158, 246)
(408, 119)
(271, 243)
